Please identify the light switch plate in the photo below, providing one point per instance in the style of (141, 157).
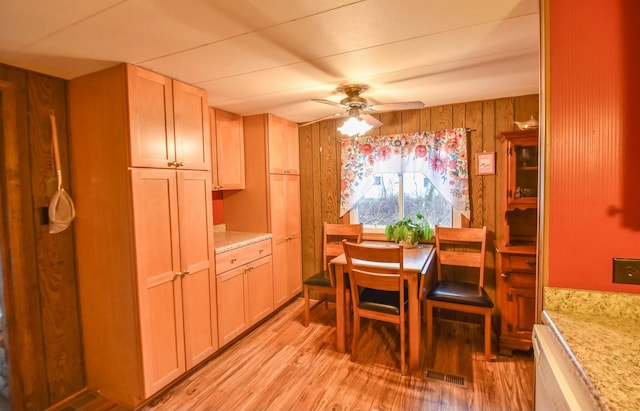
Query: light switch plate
(626, 270)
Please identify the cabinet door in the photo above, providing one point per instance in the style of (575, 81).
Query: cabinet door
(151, 132)
(522, 172)
(191, 124)
(283, 146)
(277, 194)
(292, 145)
(197, 266)
(232, 305)
(521, 317)
(277, 147)
(155, 208)
(285, 232)
(230, 151)
(259, 289)
(293, 237)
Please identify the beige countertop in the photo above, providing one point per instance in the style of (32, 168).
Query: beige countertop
(230, 240)
(601, 333)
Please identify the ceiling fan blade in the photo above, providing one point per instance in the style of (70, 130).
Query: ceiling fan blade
(336, 115)
(407, 105)
(371, 120)
(329, 102)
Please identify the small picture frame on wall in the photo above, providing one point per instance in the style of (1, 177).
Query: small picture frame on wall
(485, 164)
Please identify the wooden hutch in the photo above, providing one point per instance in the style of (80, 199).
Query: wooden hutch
(516, 251)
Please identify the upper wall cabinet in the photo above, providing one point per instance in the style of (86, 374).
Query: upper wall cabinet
(168, 121)
(284, 157)
(227, 150)
(522, 168)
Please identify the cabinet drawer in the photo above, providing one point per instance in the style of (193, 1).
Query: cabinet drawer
(521, 263)
(243, 255)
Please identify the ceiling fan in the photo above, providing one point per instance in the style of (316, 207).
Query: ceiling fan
(354, 106)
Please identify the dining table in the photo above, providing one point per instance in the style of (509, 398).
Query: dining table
(419, 265)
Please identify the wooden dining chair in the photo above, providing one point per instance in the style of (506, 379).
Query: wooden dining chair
(377, 279)
(324, 281)
(460, 247)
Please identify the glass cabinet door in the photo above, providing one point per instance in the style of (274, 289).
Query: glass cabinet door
(522, 172)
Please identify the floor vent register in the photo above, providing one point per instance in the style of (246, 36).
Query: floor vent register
(448, 378)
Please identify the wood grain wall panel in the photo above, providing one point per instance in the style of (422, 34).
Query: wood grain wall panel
(392, 123)
(425, 119)
(488, 118)
(56, 258)
(307, 196)
(504, 118)
(475, 145)
(488, 130)
(410, 121)
(588, 111)
(41, 302)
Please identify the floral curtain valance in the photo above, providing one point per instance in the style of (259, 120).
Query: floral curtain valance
(440, 155)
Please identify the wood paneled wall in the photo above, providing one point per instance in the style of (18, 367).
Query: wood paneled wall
(320, 165)
(44, 342)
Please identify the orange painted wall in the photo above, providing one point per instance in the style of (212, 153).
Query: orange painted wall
(594, 135)
(218, 207)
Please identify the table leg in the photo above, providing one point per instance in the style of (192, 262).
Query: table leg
(414, 323)
(340, 308)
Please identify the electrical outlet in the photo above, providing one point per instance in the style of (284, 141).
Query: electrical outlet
(626, 270)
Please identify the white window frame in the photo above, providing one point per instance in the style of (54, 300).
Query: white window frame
(456, 217)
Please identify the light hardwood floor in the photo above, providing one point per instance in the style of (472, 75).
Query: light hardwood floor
(282, 365)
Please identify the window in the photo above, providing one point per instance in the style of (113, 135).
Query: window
(382, 204)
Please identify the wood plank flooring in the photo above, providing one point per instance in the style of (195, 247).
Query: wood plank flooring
(282, 365)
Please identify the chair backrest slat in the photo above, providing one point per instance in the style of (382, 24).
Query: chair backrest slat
(388, 273)
(468, 249)
(333, 234)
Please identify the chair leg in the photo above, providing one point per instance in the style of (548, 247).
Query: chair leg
(487, 336)
(355, 338)
(430, 326)
(403, 354)
(306, 306)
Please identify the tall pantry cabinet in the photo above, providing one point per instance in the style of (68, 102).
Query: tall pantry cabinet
(144, 234)
(270, 201)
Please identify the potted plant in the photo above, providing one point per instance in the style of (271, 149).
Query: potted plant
(409, 231)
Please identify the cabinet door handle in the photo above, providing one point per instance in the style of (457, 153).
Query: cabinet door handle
(172, 164)
(180, 164)
(505, 275)
(186, 272)
(221, 187)
(233, 260)
(179, 274)
(261, 251)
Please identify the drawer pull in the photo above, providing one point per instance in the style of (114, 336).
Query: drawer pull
(504, 275)
(261, 251)
(233, 260)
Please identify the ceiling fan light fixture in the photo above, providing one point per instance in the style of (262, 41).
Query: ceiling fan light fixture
(354, 126)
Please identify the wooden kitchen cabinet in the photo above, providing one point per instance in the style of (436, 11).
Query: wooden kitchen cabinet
(144, 247)
(284, 156)
(227, 150)
(168, 121)
(515, 290)
(287, 248)
(272, 199)
(244, 281)
(516, 250)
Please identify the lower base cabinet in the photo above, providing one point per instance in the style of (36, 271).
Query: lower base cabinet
(244, 286)
(515, 291)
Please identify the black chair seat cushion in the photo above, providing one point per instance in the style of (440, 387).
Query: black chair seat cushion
(322, 280)
(460, 293)
(381, 301)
